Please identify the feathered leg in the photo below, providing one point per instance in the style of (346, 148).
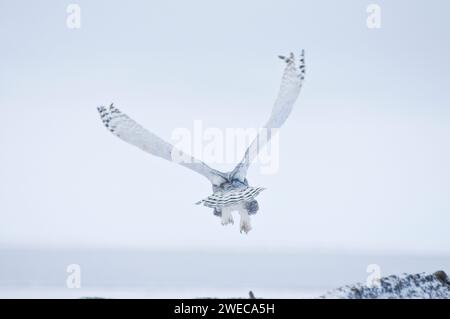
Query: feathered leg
(245, 220)
(227, 217)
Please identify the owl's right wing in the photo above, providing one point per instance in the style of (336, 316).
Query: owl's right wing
(133, 133)
(291, 83)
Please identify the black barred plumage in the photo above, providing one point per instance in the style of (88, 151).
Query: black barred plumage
(225, 199)
(291, 61)
(231, 191)
(302, 66)
(110, 116)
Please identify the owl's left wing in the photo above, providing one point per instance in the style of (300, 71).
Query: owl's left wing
(133, 133)
(291, 83)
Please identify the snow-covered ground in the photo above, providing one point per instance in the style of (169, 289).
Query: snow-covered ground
(404, 286)
(144, 274)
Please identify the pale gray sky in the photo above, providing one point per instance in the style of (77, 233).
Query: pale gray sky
(364, 161)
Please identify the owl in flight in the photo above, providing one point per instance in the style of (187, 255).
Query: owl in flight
(231, 190)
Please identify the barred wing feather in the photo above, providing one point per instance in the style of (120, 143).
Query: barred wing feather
(291, 83)
(133, 133)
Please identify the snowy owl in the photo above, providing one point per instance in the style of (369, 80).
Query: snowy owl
(231, 190)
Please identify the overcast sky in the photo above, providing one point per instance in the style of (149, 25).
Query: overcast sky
(364, 157)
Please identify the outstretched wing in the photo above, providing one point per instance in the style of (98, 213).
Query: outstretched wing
(291, 83)
(131, 132)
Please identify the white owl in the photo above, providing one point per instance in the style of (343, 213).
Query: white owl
(231, 190)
